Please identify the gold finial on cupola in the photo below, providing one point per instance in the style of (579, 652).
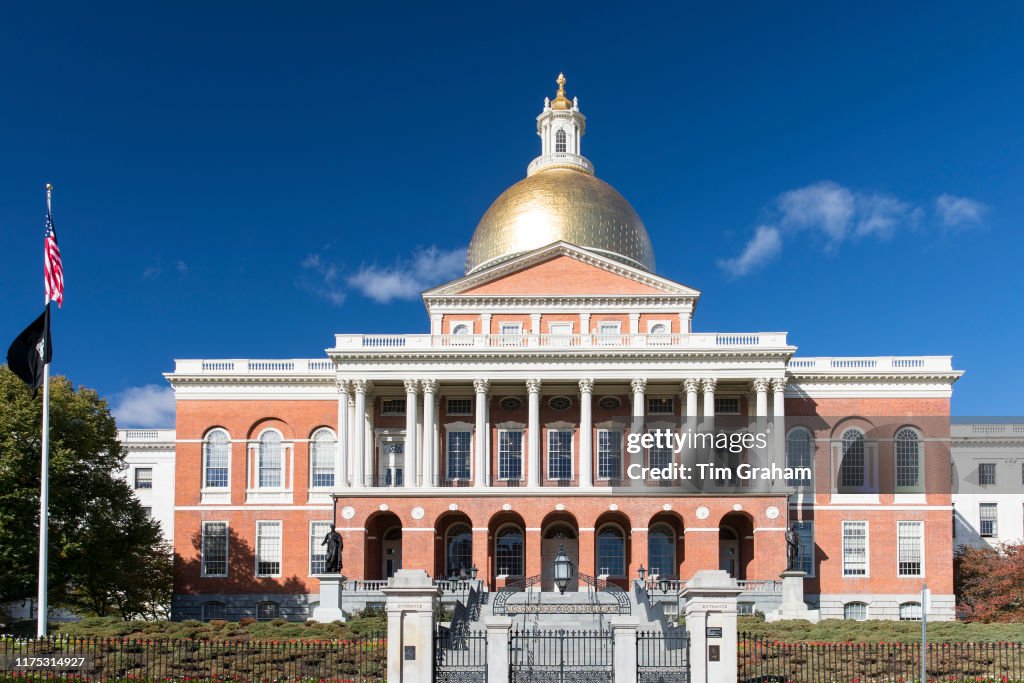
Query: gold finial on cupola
(561, 101)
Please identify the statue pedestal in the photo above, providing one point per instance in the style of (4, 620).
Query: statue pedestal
(329, 608)
(793, 605)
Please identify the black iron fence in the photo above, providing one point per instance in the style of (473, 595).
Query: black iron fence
(663, 656)
(359, 660)
(559, 656)
(460, 656)
(766, 660)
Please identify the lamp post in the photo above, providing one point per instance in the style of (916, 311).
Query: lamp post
(473, 572)
(563, 569)
(642, 572)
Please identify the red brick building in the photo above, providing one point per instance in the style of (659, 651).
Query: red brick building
(504, 432)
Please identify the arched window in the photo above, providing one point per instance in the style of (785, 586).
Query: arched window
(851, 467)
(910, 611)
(214, 610)
(508, 551)
(855, 611)
(461, 328)
(270, 459)
(322, 453)
(659, 328)
(560, 145)
(458, 549)
(265, 611)
(908, 459)
(799, 453)
(661, 551)
(216, 455)
(611, 551)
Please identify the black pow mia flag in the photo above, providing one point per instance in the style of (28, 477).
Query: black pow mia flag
(31, 351)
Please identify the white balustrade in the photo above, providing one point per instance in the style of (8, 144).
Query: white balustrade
(876, 363)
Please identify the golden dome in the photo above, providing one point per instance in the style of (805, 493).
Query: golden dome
(559, 204)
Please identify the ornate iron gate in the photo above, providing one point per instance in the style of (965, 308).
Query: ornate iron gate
(559, 656)
(460, 656)
(663, 657)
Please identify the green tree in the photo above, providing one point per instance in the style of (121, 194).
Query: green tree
(106, 556)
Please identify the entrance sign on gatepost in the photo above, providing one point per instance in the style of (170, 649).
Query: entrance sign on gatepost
(710, 609)
(411, 599)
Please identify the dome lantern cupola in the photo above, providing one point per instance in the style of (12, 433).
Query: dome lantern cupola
(560, 200)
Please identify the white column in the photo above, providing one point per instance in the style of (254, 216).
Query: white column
(351, 440)
(585, 328)
(639, 388)
(586, 467)
(359, 434)
(411, 454)
(485, 323)
(779, 419)
(690, 388)
(708, 384)
(429, 417)
(634, 323)
(480, 386)
(435, 323)
(535, 323)
(370, 444)
(341, 456)
(761, 388)
(533, 386)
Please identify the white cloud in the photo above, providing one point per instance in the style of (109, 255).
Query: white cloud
(959, 212)
(824, 206)
(181, 266)
(406, 279)
(325, 285)
(765, 246)
(148, 406)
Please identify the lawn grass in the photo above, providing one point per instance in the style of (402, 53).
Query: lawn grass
(878, 631)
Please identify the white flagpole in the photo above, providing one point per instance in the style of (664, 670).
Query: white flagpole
(44, 479)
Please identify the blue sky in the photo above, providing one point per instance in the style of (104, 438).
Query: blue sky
(244, 180)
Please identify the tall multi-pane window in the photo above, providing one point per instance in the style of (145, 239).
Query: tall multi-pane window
(143, 477)
(508, 551)
(611, 551)
(266, 611)
(609, 454)
(851, 468)
(270, 458)
(855, 548)
(727, 405)
(268, 548)
(458, 455)
(799, 450)
(908, 459)
(661, 551)
(559, 454)
(215, 549)
(458, 549)
(988, 514)
(910, 548)
(805, 561)
(987, 474)
(510, 454)
(216, 449)
(322, 452)
(660, 457)
(317, 552)
(560, 141)
(214, 610)
(657, 405)
(910, 611)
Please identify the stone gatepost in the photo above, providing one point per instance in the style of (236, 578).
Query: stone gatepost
(497, 648)
(710, 598)
(624, 648)
(411, 598)
(329, 608)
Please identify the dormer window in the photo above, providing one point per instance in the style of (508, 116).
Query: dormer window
(560, 145)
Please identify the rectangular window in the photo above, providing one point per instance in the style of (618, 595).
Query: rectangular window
(270, 465)
(317, 552)
(510, 454)
(268, 548)
(659, 406)
(609, 454)
(987, 474)
(987, 517)
(460, 406)
(458, 455)
(215, 549)
(855, 548)
(659, 457)
(805, 561)
(559, 455)
(727, 405)
(910, 548)
(392, 406)
(609, 328)
(148, 511)
(143, 477)
(322, 463)
(217, 465)
(511, 334)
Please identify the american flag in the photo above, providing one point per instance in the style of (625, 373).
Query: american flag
(53, 269)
